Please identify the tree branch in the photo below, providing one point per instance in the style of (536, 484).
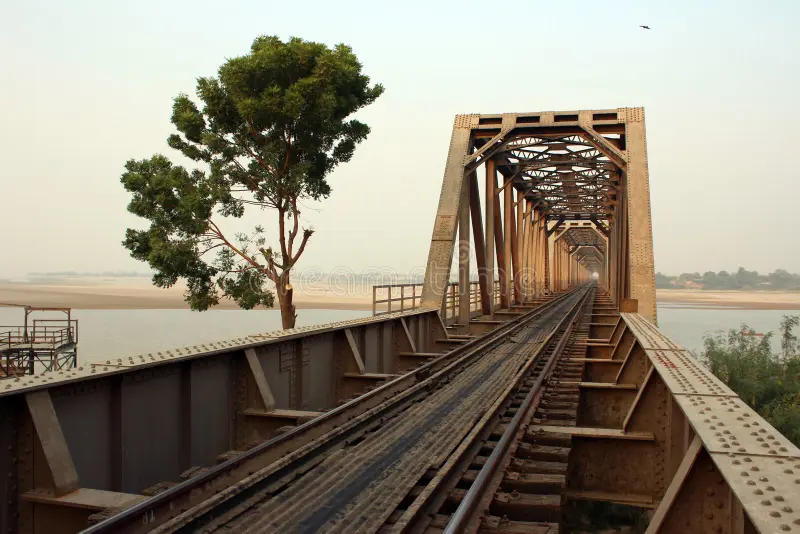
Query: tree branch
(212, 247)
(306, 235)
(282, 234)
(287, 139)
(255, 135)
(293, 233)
(256, 157)
(233, 247)
(272, 272)
(247, 174)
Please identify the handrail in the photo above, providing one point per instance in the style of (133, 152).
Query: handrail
(450, 302)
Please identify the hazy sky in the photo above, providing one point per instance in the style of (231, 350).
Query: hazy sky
(86, 85)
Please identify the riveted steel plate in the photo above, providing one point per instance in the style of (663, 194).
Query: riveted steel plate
(631, 114)
(728, 425)
(684, 375)
(467, 121)
(768, 488)
(445, 228)
(141, 361)
(648, 334)
(547, 118)
(286, 357)
(680, 370)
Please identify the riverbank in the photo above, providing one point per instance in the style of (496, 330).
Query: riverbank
(742, 300)
(133, 295)
(140, 294)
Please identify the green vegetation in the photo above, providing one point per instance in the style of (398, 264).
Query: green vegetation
(768, 382)
(780, 280)
(272, 126)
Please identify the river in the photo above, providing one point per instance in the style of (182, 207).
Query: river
(106, 334)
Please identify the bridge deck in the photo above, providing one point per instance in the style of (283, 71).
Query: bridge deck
(357, 488)
(703, 457)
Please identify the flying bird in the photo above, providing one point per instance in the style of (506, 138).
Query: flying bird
(645, 27)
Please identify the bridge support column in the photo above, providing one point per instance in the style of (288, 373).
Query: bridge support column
(508, 223)
(540, 253)
(517, 251)
(500, 246)
(489, 242)
(548, 288)
(527, 245)
(463, 258)
(641, 267)
(484, 276)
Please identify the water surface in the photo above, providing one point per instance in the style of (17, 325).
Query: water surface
(106, 334)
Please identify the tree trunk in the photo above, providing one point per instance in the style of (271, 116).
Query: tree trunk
(288, 315)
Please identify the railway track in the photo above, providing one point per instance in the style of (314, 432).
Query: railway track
(394, 460)
(516, 483)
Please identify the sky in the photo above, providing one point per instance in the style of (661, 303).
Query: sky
(87, 85)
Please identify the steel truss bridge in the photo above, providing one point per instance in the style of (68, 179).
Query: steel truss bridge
(497, 405)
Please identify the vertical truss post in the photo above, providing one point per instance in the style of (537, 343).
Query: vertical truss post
(463, 257)
(614, 258)
(538, 254)
(517, 248)
(525, 251)
(553, 246)
(546, 257)
(508, 209)
(572, 271)
(557, 265)
(500, 236)
(490, 235)
(484, 277)
(640, 231)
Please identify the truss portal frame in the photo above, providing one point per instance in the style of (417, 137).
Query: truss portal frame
(588, 166)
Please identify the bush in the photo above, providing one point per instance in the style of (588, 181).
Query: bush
(768, 382)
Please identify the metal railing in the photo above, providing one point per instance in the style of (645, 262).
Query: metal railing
(390, 298)
(395, 297)
(48, 334)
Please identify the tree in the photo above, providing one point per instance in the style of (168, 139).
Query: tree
(768, 382)
(663, 281)
(272, 126)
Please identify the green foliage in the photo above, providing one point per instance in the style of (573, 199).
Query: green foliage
(780, 280)
(768, 382)
(663, 281)
(268, 131)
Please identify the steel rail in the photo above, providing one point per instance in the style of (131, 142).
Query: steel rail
(226, 479)
(465, 512)
(436, 492)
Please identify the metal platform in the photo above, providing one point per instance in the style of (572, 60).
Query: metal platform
(39, 344)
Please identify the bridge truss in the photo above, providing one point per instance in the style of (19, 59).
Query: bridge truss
(543, 170)
(489, 406)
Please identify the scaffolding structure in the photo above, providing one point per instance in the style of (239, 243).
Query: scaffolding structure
(39, 344)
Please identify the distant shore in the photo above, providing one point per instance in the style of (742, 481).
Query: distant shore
(134, 295)
(742, 300)
(127, 294)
